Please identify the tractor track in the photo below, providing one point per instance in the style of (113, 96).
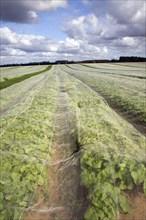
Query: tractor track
(66, 196)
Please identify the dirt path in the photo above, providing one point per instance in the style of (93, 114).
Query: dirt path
(66, 197)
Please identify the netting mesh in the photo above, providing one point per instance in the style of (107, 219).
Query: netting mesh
(61, 138)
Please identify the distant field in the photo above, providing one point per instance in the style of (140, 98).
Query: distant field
(73, 142)
(11, 72)
(14, 77)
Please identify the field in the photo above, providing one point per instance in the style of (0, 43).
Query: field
(73, 142)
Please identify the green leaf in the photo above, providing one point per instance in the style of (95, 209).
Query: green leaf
(7, 166)
(1, 196)
(91, 213)
(15, 176)
(138, 175)
(23, 168)
(41, 181)
(23, 204)
(122, 185)
(9, 197)
(27, 151)
(123, 204)
(3, 215)
(16, 214)
(2, 182)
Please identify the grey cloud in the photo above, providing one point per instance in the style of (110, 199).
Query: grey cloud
(17, 11)
(127, 11)
(129, 14)
(21, 11)
(68, 50)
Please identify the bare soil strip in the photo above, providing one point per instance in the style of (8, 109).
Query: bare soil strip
(66, 198)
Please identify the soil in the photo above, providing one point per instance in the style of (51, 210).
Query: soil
(65, 197)
(137, 202)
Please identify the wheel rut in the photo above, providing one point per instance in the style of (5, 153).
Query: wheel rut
(66, 191)
(66, 196)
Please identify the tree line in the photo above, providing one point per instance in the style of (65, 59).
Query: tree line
(121, 59)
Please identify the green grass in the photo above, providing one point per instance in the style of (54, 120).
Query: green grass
(9, 82)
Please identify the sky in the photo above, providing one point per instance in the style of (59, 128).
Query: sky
(50, 30)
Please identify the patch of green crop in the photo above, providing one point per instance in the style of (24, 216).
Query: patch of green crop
(106, 176)
(9, 82)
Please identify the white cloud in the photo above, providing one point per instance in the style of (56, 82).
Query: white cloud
(83, 27)
(7, 36)
(26, 48)
(46, 5)
(85, 2)
(33, 15)
(129, 41)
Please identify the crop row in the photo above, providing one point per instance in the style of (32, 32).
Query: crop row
(118, 89)
(113, 153)
(9, 94)
(20, 78)
(7, 73)
(25, 150)
(129, 71)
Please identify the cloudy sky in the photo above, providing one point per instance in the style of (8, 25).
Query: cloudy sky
(49, 30)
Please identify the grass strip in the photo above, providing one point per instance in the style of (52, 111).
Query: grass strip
(18, 79)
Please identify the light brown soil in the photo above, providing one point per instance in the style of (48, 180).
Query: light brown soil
(137, 202)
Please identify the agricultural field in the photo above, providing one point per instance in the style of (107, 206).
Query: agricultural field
(73, 142)
(7, 73)
(117, 85)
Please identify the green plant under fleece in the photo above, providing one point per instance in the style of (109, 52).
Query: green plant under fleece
(112, 153)
(15, 80)
(25, 148)
(107, 176)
